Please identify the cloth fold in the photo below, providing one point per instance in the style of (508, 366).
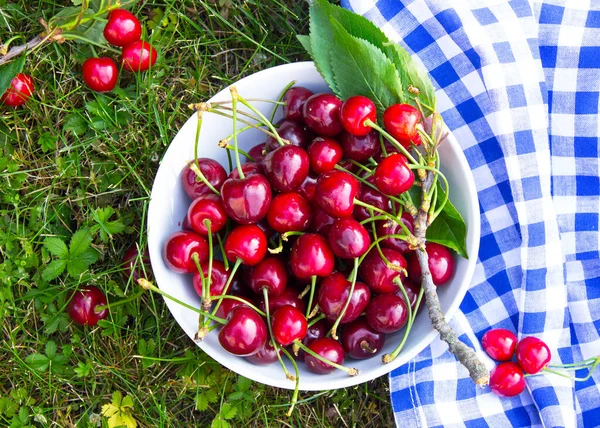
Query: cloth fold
(518, 84)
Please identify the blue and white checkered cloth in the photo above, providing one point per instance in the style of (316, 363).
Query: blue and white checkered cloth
(518, 83)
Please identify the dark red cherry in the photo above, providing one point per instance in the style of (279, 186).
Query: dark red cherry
(289, 296)
(83, 306)
(321, 113)
(246, 242)
(207, 208)
(292, 132)
(100, 74)
(271, 274)
(389, 149)
(294, 100)
(245, 332)
(321, 221)
(335, 193)
(134, 266)
(499, 344)
(360, 148)
(314, 332)
(354, 112)
(390, 227)
(507, 380)
(387, 313)
(286, 167)
(333, 294)
(412, 292)
(179, 249)
(288, 324)
(441, 264)
(248, 168)
(138, 56)
(289, 212)
(401, 121)
(246, 200)
(348, 238)
(213, 171)
(360, 341)
(257, 153)
(267, 355)
(307, 188)
(218, 278)
(327, 348)
(228, 305)
(122, 28)
(393, 175)
(533, 354)
(311, 256)
(377, 275)
(20, 90)
(372, 197)
(264, 226)
(324, 153)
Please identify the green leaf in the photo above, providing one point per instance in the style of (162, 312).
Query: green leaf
(38, 362)
(51, 349)
(449, 228)
(56, 247)
(322, 44)
(243, 383)
(47, 141)
(205, 398)
(66, 15)
(76, 2)
(9, 71)
(412, 73)
(228, 411)
(305, 42)
(107, 227)
(76, 268)
(218, 422)
(80, 241)
(54, 269)
(76, 124)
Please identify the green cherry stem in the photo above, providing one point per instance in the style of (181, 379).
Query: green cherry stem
(410, 238)
(274, 342)
(316, 319)
(392, 140)
(361, 166)
(196, 165)
(349, 370)
(587, 362)
(353, 275)
(238, 299)
(296, 378)
(111, 305)
(243, 153)
(263, 120)
(207, 224)
(388, 358)
(313, 283)
(222, 248)
(366, 183)
(237, 264)
(206, 302)
(234, 100)
(245, 122)
(279, 100)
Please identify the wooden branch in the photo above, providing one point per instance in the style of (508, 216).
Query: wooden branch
(18, 50)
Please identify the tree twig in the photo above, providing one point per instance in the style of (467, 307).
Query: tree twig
(18, 50)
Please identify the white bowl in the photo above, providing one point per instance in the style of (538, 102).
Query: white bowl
(169, 204)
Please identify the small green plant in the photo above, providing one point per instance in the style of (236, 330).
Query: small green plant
(118, 411)
(75, 259)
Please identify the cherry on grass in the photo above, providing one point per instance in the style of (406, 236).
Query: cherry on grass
(100, 74)
(327, 348)
(246, 243)
(393, 175)
(179, 250)
(294, 100)
(441, 264)
(20, 90)
(311, 256)
(213, 172)
(246, 200)
(335, 193)
(401, 121)
(84, 303)
(289, 212)
(361, 148)
(360, 341)
(333, 294)
(245, 332)
(207, 207)
(286, 167)
(138, 56)
(533, 355)
(387, 313)
(507, 380)
(324, 154)
(122, 28)
(377, 275)
(499, 344)
(321, 114)
(348, 238)
(288, 324)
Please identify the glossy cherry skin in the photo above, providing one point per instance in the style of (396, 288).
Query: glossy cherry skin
(311, 256)
(294, 100)
(267, 355)
(393, 176)
(213, 172)
(441, 264)
(83, 304)
(289, 296)
(412, 292)
(289, 212)
(228, 305)
(100, 74)
(138, 56)
(373, 197)
(327, 348)
(401, 120)
(249, 168)
(361, 148)
(122, 28)
(207, 208)
(246, 200)
(387, 313)
(354, 112)
(333, 294)
(307, 188)
(132, 267)
(286, 167)
(360, 341)
(20, 90)
(533, 354)
(324, 153)
(256, 153)
(180, 247)
(390, 227)
(245, 332)
(377, 275)
(218, 278)
(288, 324)
(348, 238)
(321, 221)
(269, 274)
(499, 344)
(314, 332)
(335, 193)
(321, 113)
(246, 242)
(291, 131)
(507, 380)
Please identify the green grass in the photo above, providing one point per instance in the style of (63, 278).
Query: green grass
(70, 152)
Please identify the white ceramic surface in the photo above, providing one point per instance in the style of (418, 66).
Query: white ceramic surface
(169, 204)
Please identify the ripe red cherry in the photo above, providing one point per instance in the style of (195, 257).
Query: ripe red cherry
(333, 294)
(348, 238)
(311, 256)
(138, 56)
(228, 305)
(321, 114)
(533, 354)
(267, 355)
(393, 176)
(377, 275)
(307, 188)
(213, 172)
(314, 332)
(100, 74)
(327, 348)
(335, 193)
(506, 380)
(321, 221)
(246, 200)
(289, 212)
(294, 100)
(286, 167)
(387, 313)
(207, 207)
(499, 344)
(390, 227)
(248, 168)
(247, 243)
(132, 267)
(271, 274)
(412, 292)
(354, 112)
(441, 264)
(360, 148)
(289, 296)
(245, 332)
(82, 307)
(360, 341)
(288, 324)
(218, 278)
(122, 28)
(372, 197)
(20, 90)
(324, 153)
(295, 133)
(179, 249)
(256, 153)
(401, 120)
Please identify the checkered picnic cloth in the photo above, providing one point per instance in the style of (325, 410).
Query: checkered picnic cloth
(517, 83)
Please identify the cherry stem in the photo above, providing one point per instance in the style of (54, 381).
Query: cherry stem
(366, 183)
(207, 224)
(240, 112)
(373, 219)
(147, 285)
(231, 148)
(392, 140)
(313, 283)
(234, 100)
(353, 275)
(316, 319)
(278, 102)
(410, 238)
(297, 379)
(575, 379)
(111, 305)
(237, 264)
(575, 365)
(411, 318)
(196, 165)
(277, 249)
(273, 341)
(263, 119)
(206, 302)
(222, 248)
(349, 370)
(260, 100)
(382, 144)
(360, 165)
(253, 125)
(286, 235)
